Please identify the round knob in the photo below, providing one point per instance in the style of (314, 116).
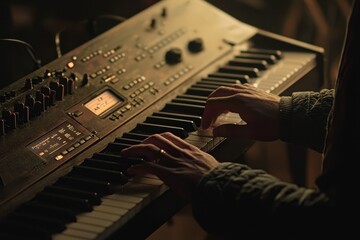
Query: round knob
(173, 56)
(196, 45)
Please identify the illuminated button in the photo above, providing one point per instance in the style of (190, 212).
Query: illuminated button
(64, 152)
(70, 149)
(87, 138)
(76, 145)
(82, 141)
(70, 65)
(59, 157)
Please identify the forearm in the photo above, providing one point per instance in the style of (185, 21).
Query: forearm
(303, 118)
(234, 196)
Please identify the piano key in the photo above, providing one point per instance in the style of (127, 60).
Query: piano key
(117, 147)
(184, 108)
(80, 234)
(93, 197)
(137, 136)
(106, 164)
(259, 64)
(101, 187)
(197, 144)
(65, 237)
(86, 227)
(270, 59)
(195, 119)
(117, 158)
(76, 204)
(123, 197)
(157, 128)
(52, 224)
(116, 204)
(221, 80)
(16, 228)
(241, 78)
(251, 72)
(211, 87)
(188, 125)
(217, 84)
(94, 221)
(189, 101)
(46, 210)
(102, 215)
(195, 97)
(277, 53)
(108, 208)
(199, 91)
(127, 140)
(100, 174)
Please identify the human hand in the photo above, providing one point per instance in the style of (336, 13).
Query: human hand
(177, 163)
(259, 109)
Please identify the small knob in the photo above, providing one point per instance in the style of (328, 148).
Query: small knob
(2, 127)
(164, 12)
(196, 45)
(173, 56)
(153, 23)
(85, 80)
(28, 84)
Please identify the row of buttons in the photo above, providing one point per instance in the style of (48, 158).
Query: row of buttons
(166, 41)
(99, 72)
(91, 56)
(119, 113)
(159, 65)
(111, 52)
(72, 148)
(117, 57)
(134, 82)
(178, 75)
(143, 89)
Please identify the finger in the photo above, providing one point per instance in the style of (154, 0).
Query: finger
(216, 106)
(224, 91)
(232, 130)
(177, 141)
(162, 142)
(150, 168)
(149, 152)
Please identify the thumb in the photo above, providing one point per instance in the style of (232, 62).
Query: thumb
(231, 130)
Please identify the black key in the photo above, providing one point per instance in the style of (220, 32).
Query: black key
(117, 158)
(211, 87)
(157, 128)
(217, 84)
(195, 119)
(189, 101)
(199, 91)
(184, 108)
(117, 147)
(137, 136)
(188, 96)
(251, 72)
(102, 164)
(52, 224)
(277, 53)
(127, 140)
(259, 64)
(221, 80)
(188, 125)
(241, 78)
(100, 174)
(93, 197)
(270, 59)
(17, 228)
(76, 204)
(101, 187)
(46, 210)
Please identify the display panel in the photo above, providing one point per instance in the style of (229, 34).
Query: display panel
(103, 102)
(58, 142)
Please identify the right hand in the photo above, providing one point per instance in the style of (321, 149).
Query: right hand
(259, 109)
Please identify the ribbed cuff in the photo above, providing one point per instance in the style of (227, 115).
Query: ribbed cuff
(285, 117)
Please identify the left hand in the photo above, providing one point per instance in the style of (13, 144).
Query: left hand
(177, 163)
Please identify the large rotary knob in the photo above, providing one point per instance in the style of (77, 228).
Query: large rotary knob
(173, 56)
(195, 45)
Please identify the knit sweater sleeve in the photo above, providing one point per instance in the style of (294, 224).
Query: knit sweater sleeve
(303, 117)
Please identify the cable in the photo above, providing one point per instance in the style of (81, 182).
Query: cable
(28, 47)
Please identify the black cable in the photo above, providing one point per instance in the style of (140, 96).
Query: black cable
(28, 47)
